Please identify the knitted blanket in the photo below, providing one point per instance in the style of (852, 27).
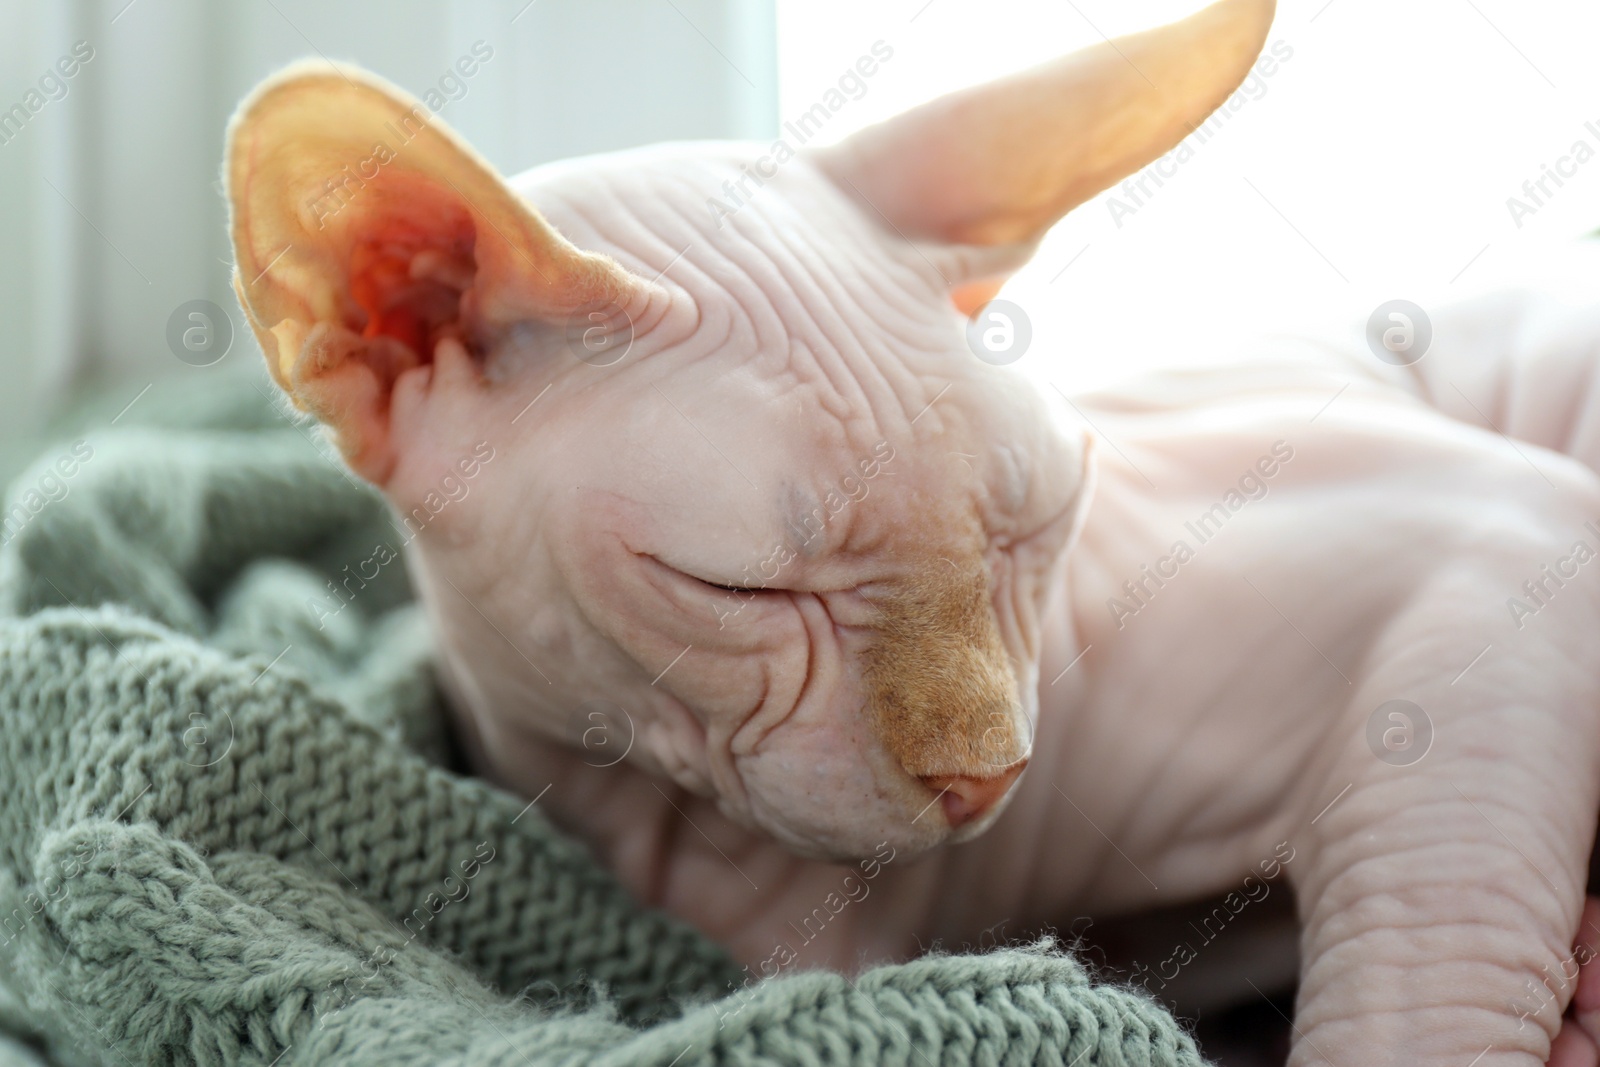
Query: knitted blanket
(230, 831)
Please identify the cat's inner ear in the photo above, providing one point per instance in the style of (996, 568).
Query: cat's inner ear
(999, 164)
(365, 233)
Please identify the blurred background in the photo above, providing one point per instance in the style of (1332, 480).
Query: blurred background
(1377, 162)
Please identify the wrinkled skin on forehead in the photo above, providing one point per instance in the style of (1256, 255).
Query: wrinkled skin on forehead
(797, 612)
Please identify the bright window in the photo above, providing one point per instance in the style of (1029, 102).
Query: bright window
(1375, 164)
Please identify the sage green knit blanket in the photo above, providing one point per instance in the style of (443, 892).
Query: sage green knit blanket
(230, 832)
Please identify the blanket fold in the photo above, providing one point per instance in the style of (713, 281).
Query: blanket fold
(230, 831)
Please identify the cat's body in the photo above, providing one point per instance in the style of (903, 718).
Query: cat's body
(1196, 731)
(761, 571)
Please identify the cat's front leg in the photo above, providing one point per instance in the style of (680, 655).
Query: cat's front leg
(1440, 894)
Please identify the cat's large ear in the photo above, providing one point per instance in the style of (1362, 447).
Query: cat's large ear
(365, 232)
(999, 164)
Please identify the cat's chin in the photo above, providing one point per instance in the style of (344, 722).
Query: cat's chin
(908, 840)
(856, 844)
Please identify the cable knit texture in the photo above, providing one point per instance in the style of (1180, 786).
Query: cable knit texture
(229, 833)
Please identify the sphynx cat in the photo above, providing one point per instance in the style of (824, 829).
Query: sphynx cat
(730, 488)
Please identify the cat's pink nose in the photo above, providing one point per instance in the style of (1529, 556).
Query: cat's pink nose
(966, 798)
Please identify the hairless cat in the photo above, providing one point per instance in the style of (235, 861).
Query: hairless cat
(722, 480)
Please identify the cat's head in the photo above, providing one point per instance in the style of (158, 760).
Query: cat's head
(693, 437)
